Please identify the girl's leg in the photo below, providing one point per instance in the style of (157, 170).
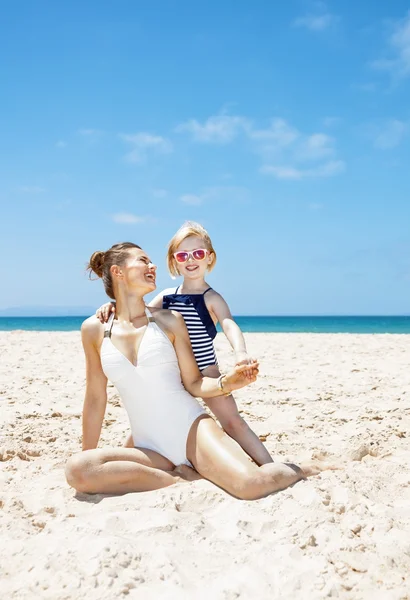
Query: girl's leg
(123, 470)
(220, 460)
(225, 410)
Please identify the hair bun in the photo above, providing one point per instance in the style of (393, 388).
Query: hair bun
(96, 263)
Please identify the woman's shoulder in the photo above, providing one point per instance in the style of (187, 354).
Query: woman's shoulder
(168, 319)
(92, 329)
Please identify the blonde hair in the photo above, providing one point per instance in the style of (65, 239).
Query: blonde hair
(186, 230)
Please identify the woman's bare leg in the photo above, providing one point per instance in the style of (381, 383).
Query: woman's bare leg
(225, 410)
(122, 470)
(221, 460)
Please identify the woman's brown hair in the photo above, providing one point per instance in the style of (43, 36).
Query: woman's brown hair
(101, 262)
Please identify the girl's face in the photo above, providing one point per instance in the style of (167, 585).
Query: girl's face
(188, 257)
(138, 272)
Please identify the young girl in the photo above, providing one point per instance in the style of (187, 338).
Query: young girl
(191, 255)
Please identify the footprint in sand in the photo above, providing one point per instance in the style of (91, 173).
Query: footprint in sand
(6, 454)
(361, 451)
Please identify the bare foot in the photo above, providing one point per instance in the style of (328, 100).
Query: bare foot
(314, 467)
(185, 473)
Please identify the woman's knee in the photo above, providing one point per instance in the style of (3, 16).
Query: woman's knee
(76, 472)
(247, 488)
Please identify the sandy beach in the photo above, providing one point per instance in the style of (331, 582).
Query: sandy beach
(344, 534)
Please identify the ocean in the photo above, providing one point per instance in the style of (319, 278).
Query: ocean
(258, 324)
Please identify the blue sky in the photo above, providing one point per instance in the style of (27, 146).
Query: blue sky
(281, 127)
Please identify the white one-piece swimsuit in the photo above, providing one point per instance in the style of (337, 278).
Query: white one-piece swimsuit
(160, 410)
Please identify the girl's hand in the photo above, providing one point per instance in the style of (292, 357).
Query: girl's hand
(103, 313)
(242, 358)
(237, 378)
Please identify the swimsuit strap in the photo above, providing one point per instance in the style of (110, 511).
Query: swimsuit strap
(108, 326)
(176, 291)
(206, 291)
(149, 315)
(110, 322)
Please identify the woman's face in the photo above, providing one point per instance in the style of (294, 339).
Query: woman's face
(138, 272)
(193, 268)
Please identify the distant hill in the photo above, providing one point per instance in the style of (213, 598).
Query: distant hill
(47, 311)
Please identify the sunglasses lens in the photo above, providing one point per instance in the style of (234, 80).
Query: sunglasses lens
(199, 254)
(181, 257)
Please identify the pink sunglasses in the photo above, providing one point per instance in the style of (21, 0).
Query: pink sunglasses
(182, 257)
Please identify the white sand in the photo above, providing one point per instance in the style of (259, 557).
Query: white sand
(344, 534)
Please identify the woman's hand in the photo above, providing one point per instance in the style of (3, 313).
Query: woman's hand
(242, 358)
(238, 377)
(103, 313)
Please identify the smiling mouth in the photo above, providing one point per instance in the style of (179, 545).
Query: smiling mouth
(151, 277)
(192, 268)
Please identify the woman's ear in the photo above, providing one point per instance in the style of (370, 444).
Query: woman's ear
(116, 272)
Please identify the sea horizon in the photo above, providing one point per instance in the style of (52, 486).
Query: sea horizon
(248, 323)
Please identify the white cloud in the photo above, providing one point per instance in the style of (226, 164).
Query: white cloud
(399, 40)
(368, 87)
(328, 169)
(282, 172)
(61, 144)
(31, 189)
(143, 143)
(331, 121)
(220, 129)
(279, 133)
(128, 219)
(316, 22)
(390, 134)
(281, 145)
(91, 137)
(192, 199)
(159, 193)
(218, 193)
(89, 132)
(315, 147)
(284, 149)
(318, 19)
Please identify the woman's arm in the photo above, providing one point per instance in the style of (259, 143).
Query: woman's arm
(96, 384)
(194, 382)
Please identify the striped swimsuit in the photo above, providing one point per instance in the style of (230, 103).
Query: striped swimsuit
(198, 321)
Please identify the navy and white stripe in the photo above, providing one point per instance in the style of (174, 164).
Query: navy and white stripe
(201, 334)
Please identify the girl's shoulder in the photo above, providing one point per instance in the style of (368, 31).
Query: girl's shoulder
(156, 302)
(168, 291)
(212, 296)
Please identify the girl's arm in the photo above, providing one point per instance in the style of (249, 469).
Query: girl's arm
(157, 301)
(96, 384)
(220, 309)
(194, 382)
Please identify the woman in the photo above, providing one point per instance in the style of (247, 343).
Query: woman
(146, 356)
